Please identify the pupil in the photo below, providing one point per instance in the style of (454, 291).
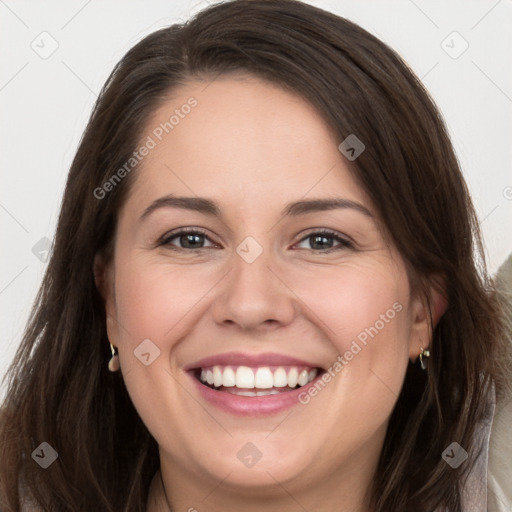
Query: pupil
(191, 240)
(323, 240)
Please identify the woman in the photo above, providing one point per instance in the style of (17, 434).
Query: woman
(263, 291)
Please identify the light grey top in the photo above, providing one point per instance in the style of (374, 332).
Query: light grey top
(474, 494)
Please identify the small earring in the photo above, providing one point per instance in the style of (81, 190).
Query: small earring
(424, 353)
(113, 364)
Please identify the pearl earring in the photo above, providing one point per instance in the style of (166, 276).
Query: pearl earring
(424, 353)
(113, 364)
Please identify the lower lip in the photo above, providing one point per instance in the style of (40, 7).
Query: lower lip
(252, 405)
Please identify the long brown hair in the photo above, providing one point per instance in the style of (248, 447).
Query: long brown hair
(59, 388)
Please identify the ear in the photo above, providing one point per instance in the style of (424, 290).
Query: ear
(439, 303)
(426, 314)
(100, 272)
(103, 278)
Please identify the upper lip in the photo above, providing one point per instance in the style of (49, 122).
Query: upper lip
(251, 360)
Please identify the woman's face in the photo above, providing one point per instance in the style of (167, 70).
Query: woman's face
(257, 297)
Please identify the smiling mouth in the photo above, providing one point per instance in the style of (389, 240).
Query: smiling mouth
(259, 381)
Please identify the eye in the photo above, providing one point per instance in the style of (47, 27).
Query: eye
(194, 238)
(322, 241)
(190, 238)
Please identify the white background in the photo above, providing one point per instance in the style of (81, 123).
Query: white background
(45, 103)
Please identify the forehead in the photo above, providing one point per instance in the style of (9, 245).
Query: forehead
(243, 140)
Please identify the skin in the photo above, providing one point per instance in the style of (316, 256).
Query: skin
(253, 147)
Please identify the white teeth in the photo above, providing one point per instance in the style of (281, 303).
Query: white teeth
(264, 378)
(303, 378)
(293, 377)
(280, 378)
(244, 377)
(236, 391)
(244, 393)
(228, 378)
(217, 377)
(271, 392)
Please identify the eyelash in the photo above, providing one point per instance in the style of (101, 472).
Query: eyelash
(165, 241)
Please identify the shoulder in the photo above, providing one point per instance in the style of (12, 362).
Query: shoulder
(500, 461)
(499, 482)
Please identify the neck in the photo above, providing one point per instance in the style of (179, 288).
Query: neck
(345, 491)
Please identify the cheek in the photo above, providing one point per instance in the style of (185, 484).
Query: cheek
(364, 312)
(357, 303)
(155, 300)
(160, 303)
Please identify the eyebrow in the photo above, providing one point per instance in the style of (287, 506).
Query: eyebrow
(209, 207)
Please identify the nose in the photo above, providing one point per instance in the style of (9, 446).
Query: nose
(254, 296)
